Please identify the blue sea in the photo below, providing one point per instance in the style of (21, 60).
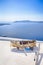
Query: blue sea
(24, 30)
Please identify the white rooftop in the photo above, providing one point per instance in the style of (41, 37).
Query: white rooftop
(9, 56)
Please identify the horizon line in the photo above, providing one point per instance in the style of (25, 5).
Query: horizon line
(19, 20)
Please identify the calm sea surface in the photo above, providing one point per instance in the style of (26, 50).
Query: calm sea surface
(23, 30)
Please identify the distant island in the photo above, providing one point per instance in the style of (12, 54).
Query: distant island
(24, 21)
(1, 24)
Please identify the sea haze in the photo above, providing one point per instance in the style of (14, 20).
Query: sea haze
(23, 29)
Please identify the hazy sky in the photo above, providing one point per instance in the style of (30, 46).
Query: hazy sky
(11, 10)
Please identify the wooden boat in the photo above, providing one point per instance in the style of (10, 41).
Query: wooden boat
(23, 44)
